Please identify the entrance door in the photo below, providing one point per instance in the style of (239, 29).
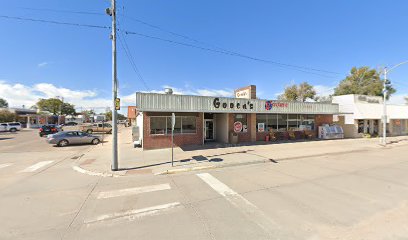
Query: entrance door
(209, 130)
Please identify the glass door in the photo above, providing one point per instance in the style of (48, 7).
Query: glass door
(209, 130)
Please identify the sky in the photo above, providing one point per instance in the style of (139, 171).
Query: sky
(209, 48)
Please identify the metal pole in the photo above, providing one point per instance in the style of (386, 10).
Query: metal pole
(114, 166)
(172, 147)
(384, 141)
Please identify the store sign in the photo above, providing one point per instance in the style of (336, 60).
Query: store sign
(261, 127)
(237, 127)
(232, 105)
(271, 104)
(243, 94)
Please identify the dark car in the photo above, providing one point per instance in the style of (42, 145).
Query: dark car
(70, 124)
(49, 129)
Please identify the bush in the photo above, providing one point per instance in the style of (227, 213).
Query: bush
(7, 116)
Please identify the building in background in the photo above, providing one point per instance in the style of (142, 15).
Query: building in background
(202, 119)
(362, 115)
(31, 118)
(131, 115)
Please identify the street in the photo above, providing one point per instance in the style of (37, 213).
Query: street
(360, 195)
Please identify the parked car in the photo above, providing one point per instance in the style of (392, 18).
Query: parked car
(70, 124)
(63, 139)
(10, 126)
(97, 127)
(49, 129)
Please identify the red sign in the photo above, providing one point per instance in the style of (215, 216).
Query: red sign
(237, 126)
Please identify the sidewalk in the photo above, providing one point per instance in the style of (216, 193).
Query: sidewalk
(97, 161)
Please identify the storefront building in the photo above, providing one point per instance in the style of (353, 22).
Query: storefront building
(202, 119)
(362, 115)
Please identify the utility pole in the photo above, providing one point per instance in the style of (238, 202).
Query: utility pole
(384, 138)
(112, 13)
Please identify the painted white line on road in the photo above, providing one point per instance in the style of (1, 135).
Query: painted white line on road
(135, 214)
(133, 191)
(37, 166)
(251, 211)
(4, 165)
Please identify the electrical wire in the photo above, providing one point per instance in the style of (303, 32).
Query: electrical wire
(190, 39)
(128, 54)
(54, 22)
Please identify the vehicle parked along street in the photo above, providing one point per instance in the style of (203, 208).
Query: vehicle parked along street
(97, 127)
(10, 127)
(63, 139)
(49, 129)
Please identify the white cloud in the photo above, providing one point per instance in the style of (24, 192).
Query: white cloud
(42, 64)
(322, 90)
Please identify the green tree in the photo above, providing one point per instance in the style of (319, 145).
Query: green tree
(56, 106)
(109, 116)
(3, 103)
(299, 93)
(7, 116)
(363, 81)
(324, 99)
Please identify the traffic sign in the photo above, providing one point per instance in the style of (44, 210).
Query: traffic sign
(237, 126)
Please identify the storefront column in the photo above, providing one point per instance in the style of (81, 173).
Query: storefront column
(371, 126)
(28, 122)
(252, 125)
(365, 126)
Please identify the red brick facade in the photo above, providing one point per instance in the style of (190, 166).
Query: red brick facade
(151, 141)
(242, 136)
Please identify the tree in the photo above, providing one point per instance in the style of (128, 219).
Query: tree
(299, 93)
(109, 116)
(324, 99)
(3, 103)
(363, 81)
(7, 116)
(56, 106)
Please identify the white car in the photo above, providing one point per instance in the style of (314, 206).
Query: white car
(10, 127)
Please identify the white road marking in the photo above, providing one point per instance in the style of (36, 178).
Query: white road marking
(4, 165)
(37, 166)
(135, 213)
(133, 191)
(251, 211)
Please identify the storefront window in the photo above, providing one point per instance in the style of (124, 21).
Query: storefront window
(262, 118)
(157, 125)
(282, 122)
(188, 124)
(243, 119)
(293, 122)
(307, 122)
(162, 125)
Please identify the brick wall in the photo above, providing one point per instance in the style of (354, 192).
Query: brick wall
(164, 141)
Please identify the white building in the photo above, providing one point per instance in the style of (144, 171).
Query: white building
(362, 114)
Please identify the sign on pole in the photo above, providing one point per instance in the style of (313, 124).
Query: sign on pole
(117, 103)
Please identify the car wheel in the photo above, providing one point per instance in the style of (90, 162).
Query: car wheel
(63, 143)
(95, 141)
(13, 129)
(89, 131)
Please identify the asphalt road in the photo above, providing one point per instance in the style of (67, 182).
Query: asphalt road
(360, 195)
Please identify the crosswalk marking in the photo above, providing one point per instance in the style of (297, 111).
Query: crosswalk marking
(252, 212)
(133, 191)
(135, 213)
(37, 166)
(4, 165)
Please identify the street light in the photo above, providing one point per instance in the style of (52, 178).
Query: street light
(386, 71)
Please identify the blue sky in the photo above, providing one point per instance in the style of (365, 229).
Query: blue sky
(46, 60)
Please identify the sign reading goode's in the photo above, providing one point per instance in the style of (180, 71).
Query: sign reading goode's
(238, 105)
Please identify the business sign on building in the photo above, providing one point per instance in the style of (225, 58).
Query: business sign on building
(184, 103)
(243, 94)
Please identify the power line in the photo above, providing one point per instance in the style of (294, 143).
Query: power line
(129, 55)
(188, 38)
(223, 52)
(54, 22)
